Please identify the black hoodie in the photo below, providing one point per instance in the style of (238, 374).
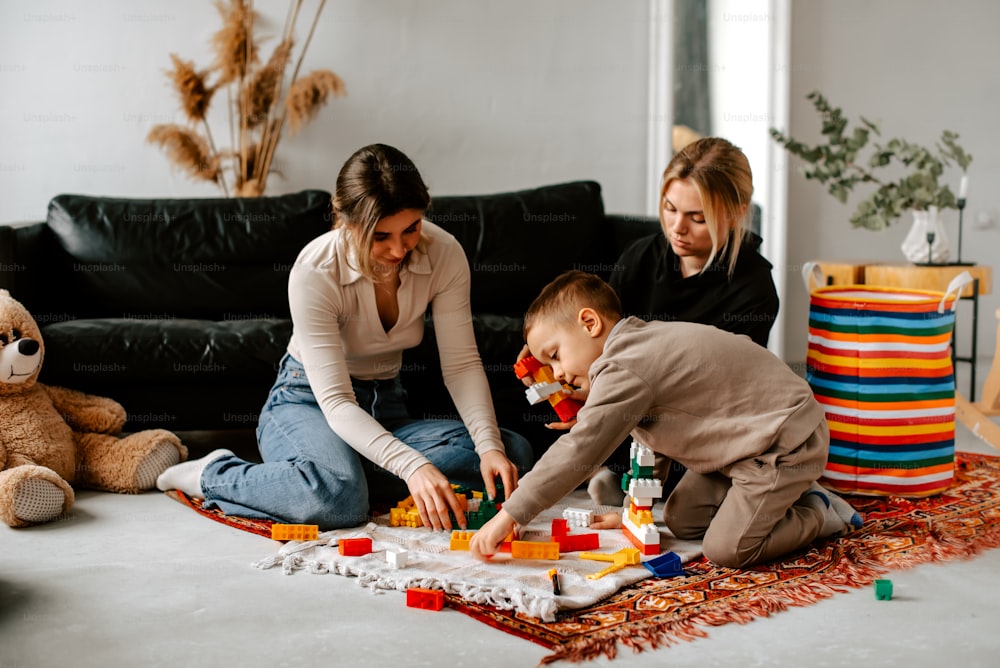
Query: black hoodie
(647, 278)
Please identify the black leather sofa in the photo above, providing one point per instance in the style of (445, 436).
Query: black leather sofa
(177, 308)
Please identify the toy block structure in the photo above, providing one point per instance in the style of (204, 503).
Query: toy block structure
(883, 590)
(627, 556)
(578, 517)
(294, 531)
(529, 549)
(546, 387)
(665, 566)
(572, 542)
(354, 547)
(397, 558)
(643, 490)
(426, 599)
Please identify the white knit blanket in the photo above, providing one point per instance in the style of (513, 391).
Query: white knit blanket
(522, 585)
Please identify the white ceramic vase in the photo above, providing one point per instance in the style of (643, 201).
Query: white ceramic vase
(916, 248)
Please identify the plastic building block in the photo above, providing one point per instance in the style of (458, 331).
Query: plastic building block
(627, 556)
(645, 537)
(545, 386)
(460, 540)
(645, 488)
(397, 558)
(577, 542)
(294, 531)
(578, 517)
(642, 456)
(426, 599)
(527, 549)
(665, 566)
(354, 547)
(883, 590)
(560, 527)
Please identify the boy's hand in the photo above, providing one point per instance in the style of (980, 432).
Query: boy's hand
(607, 521)
(434, 497)
(486, 541)
(494, 463)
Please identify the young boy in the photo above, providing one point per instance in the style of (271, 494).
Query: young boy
(753, 438)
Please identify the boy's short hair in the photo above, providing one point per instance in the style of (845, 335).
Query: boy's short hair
(569, 292)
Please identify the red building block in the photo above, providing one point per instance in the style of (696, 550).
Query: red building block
(426, 599)
(560, 527)
(354, 547)
(576, 542)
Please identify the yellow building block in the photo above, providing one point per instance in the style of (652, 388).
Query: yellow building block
(460, 540)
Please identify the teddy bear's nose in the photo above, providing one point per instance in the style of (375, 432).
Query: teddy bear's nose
(27, 347)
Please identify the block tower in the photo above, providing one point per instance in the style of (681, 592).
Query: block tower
(642, 490)
(547, 387)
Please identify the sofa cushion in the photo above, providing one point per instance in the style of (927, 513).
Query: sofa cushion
(207, 258)
(517, 242)
(174, 351)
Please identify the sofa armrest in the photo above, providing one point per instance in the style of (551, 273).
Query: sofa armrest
(19, 247)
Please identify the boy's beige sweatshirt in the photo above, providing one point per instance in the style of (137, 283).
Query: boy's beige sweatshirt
(703, 397)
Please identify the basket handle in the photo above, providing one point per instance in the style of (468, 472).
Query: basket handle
(816, 271)
(957, 285)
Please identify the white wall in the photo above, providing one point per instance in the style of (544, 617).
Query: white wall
(920, 66)
(484, 96)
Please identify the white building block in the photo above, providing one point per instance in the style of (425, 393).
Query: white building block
(539, 392)
(577, 517)
(397, 559)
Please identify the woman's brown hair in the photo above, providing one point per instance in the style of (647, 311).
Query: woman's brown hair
(377, 181)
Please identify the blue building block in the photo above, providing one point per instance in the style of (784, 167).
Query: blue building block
(666, 565)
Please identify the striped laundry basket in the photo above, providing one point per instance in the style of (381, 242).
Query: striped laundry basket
(880, 362)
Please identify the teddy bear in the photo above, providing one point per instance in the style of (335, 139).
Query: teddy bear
(53, 438)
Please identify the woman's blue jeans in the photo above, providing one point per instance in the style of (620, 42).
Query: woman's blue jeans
(309, 475)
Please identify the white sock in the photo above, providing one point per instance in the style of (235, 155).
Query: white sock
(605, 488)
(838, 515)
(186, 476)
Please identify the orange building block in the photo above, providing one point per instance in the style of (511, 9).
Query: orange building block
(529, 549)
(426, 599)
(294, 531)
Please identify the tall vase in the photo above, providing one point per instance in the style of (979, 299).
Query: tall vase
(916, 246)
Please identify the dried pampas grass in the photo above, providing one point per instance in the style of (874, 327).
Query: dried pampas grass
(308, 94)
(187, 150)
(190, 85)
(265, 85)
(258, 100)
(235, 51)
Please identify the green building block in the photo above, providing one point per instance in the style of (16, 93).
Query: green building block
(641, 471)
(883, 590)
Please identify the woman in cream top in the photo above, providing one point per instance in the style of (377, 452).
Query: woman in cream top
(335, 422)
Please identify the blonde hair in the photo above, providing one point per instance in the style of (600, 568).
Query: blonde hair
(721, 173)
(569, 292)
(376, 181)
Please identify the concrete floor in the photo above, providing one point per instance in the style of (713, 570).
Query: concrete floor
(143, 581)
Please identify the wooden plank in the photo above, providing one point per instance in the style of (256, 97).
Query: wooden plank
(978, 423)
(927, 277)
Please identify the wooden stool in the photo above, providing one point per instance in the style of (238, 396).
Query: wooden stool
(976, 416)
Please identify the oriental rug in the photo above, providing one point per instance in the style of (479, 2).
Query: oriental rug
(898, 533)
